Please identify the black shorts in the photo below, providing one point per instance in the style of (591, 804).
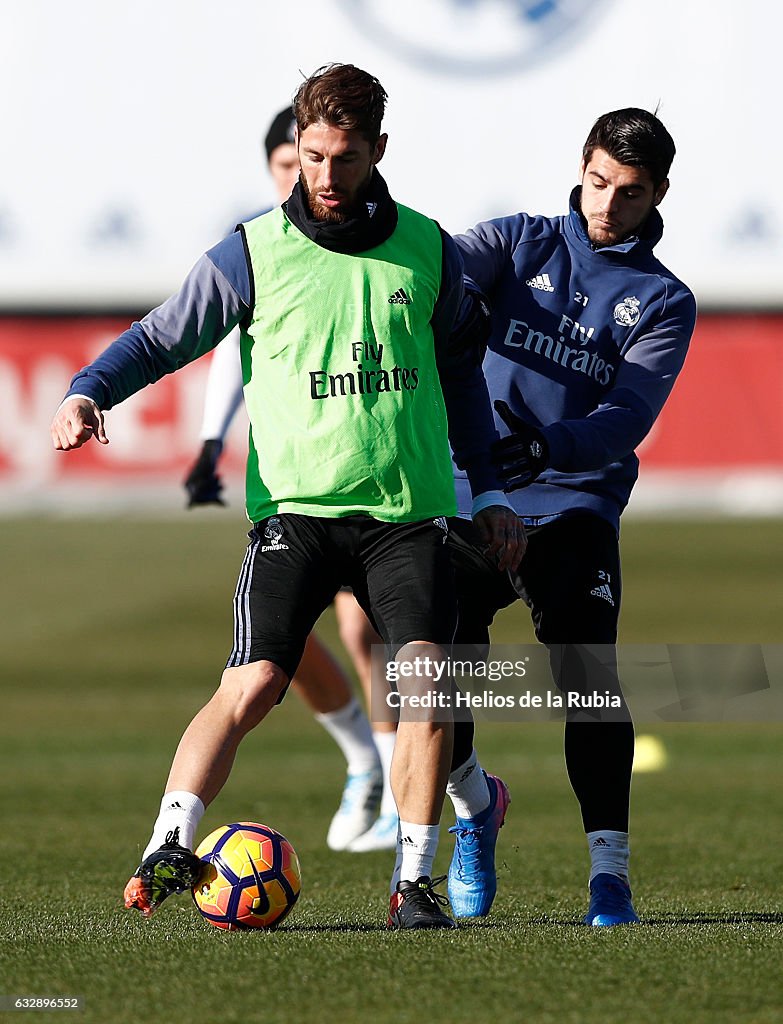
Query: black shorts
(400, 574)
(569, 578)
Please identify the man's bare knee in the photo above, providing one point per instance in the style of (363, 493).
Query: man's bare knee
(252, 691)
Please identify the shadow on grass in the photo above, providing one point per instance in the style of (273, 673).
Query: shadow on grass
(541, 921)
(744, 917)
(319, 928)
(463, 925)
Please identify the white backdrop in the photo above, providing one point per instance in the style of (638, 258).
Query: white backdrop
(132, 132)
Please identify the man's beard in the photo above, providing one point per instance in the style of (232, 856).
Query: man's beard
(330, 216)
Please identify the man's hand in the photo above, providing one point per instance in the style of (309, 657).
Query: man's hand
(523, 455)
(503, 535)
(75, 422)
(203, 484)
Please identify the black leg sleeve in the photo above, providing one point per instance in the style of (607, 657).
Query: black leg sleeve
(463, 743)
(599, 759)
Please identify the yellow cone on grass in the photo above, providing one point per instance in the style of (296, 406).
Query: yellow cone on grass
(650, 754)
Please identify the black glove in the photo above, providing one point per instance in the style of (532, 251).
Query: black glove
(203, 484)
(523, 455)
(474, 324)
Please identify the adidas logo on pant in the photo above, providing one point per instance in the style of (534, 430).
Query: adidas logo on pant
(602, 590)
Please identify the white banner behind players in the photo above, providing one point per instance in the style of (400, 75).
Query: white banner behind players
(133, 141)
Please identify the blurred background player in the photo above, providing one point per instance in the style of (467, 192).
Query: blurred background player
(367, 816)
(589, 332)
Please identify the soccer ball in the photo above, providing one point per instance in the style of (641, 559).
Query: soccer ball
(251, 877)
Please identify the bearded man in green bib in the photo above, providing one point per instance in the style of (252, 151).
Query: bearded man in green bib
(356, 382)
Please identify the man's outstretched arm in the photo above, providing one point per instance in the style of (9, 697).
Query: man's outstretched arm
(213, 299)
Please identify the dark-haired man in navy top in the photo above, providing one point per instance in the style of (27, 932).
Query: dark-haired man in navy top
(589, 332)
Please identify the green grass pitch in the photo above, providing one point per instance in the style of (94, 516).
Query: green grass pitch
(112, 634)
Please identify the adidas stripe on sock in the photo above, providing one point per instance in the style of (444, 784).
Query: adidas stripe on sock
(178, 810)
(467, 788)
(416, 849)
(609, 853)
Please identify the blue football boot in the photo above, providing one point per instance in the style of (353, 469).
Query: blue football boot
(472, 880)
(610, 902)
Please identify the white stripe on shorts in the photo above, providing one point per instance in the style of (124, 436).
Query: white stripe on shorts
(240, 655)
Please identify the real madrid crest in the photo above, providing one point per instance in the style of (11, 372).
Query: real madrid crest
(626, 313)
(473, 37)
(274, 530)
(274, 533)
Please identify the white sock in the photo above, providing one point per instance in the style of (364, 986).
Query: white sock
(178, 810)
(350, 730)
(384, 744)
(608, 853)
(467, 788)
(416, 849)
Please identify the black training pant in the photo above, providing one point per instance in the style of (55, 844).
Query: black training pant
(570, 580)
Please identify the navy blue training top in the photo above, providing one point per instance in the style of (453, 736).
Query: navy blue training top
(586, 343)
